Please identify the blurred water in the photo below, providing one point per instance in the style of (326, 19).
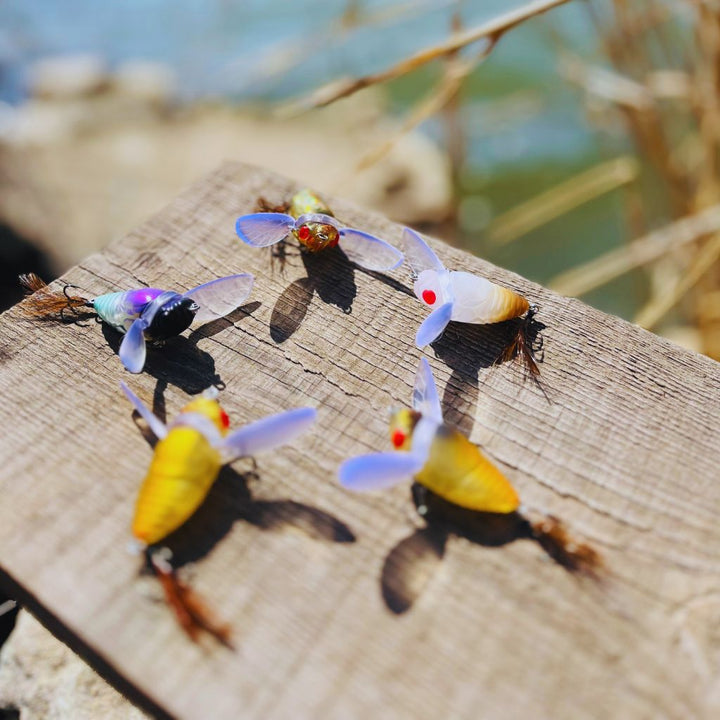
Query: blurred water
(228, 49)
(217, 46)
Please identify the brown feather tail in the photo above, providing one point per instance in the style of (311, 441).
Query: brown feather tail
(264, 205)
(574, 556)
(190, 610)
(46, 304)
(525, 343)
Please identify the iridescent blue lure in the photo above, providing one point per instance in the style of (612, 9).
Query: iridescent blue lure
(144, 314)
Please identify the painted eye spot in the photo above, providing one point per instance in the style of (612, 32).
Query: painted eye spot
(429, 297)
(304, 233)
(398, 438)
(224, 419)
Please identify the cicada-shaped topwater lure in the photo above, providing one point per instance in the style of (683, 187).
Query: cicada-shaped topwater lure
(187, 460)
(315, 228)
(444, 461)
(145, 314)
(464, 297)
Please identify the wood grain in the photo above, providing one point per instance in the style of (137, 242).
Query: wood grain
(626, 453)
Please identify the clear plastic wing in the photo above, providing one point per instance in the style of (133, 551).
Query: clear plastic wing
(378, 471)
(418, 253)
(268, 433)
(433, 325)
(368, 251)
(425, 395)
(132, 349)
(316, 218)
(219, 297)
(154, 422)
(263, 229)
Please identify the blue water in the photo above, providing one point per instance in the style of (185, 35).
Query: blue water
(222, 49)
(217, 47)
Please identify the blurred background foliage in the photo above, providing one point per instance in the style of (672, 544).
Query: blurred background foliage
(580, 147)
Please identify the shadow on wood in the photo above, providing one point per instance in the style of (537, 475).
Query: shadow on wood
(329, 274)
(230, 501)
(466, 349)
(179, 361)
(410, 565)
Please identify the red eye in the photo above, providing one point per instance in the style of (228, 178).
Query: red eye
(398, 438)
(429, 297)
(304, 233)
(224, 419)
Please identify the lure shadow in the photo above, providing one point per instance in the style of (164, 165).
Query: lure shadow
(466, 349)
(230, 501)
(411, 564)
(387, 280)
(214, 327)
(179, 361)
(329, 274)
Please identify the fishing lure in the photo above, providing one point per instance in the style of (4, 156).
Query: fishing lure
(464, 297)
(313, 225)
(187, 460)
(444, 461)
(145, 314)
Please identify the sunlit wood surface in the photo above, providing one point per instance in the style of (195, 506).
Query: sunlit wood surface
(346, 606)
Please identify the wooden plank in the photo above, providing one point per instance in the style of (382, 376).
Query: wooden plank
(627, 453)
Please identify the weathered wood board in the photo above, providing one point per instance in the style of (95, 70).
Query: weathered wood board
(626, 452)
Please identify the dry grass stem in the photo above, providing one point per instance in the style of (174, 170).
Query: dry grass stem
(606, 84)
(562, 198)
(283, 57)
(493, 29)
(640, 252)
(439, 97)
(656, 309)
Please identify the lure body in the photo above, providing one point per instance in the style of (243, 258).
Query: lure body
(474, 299)
(144, 313)
(307, 202)
(121, 309)
(455, 295)
(315, 233)
(190, 453)
(311, 222)
(435, 455)
(184, 467)
(456, 469)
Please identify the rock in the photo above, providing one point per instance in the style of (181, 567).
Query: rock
(39, 123)
(67, 77)
(42, 679)
(94, 169)
(152, 82)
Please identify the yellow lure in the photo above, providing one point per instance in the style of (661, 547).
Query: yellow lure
(437, 456)
(190, 453)
(305, 202)
(455, 469)
(183, 469)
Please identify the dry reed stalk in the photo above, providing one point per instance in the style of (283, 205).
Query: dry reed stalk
(492, 30)
(676, 128)
(638, 253)
(438, 98)
(283, 57)
(660, 304)
(562, 198)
